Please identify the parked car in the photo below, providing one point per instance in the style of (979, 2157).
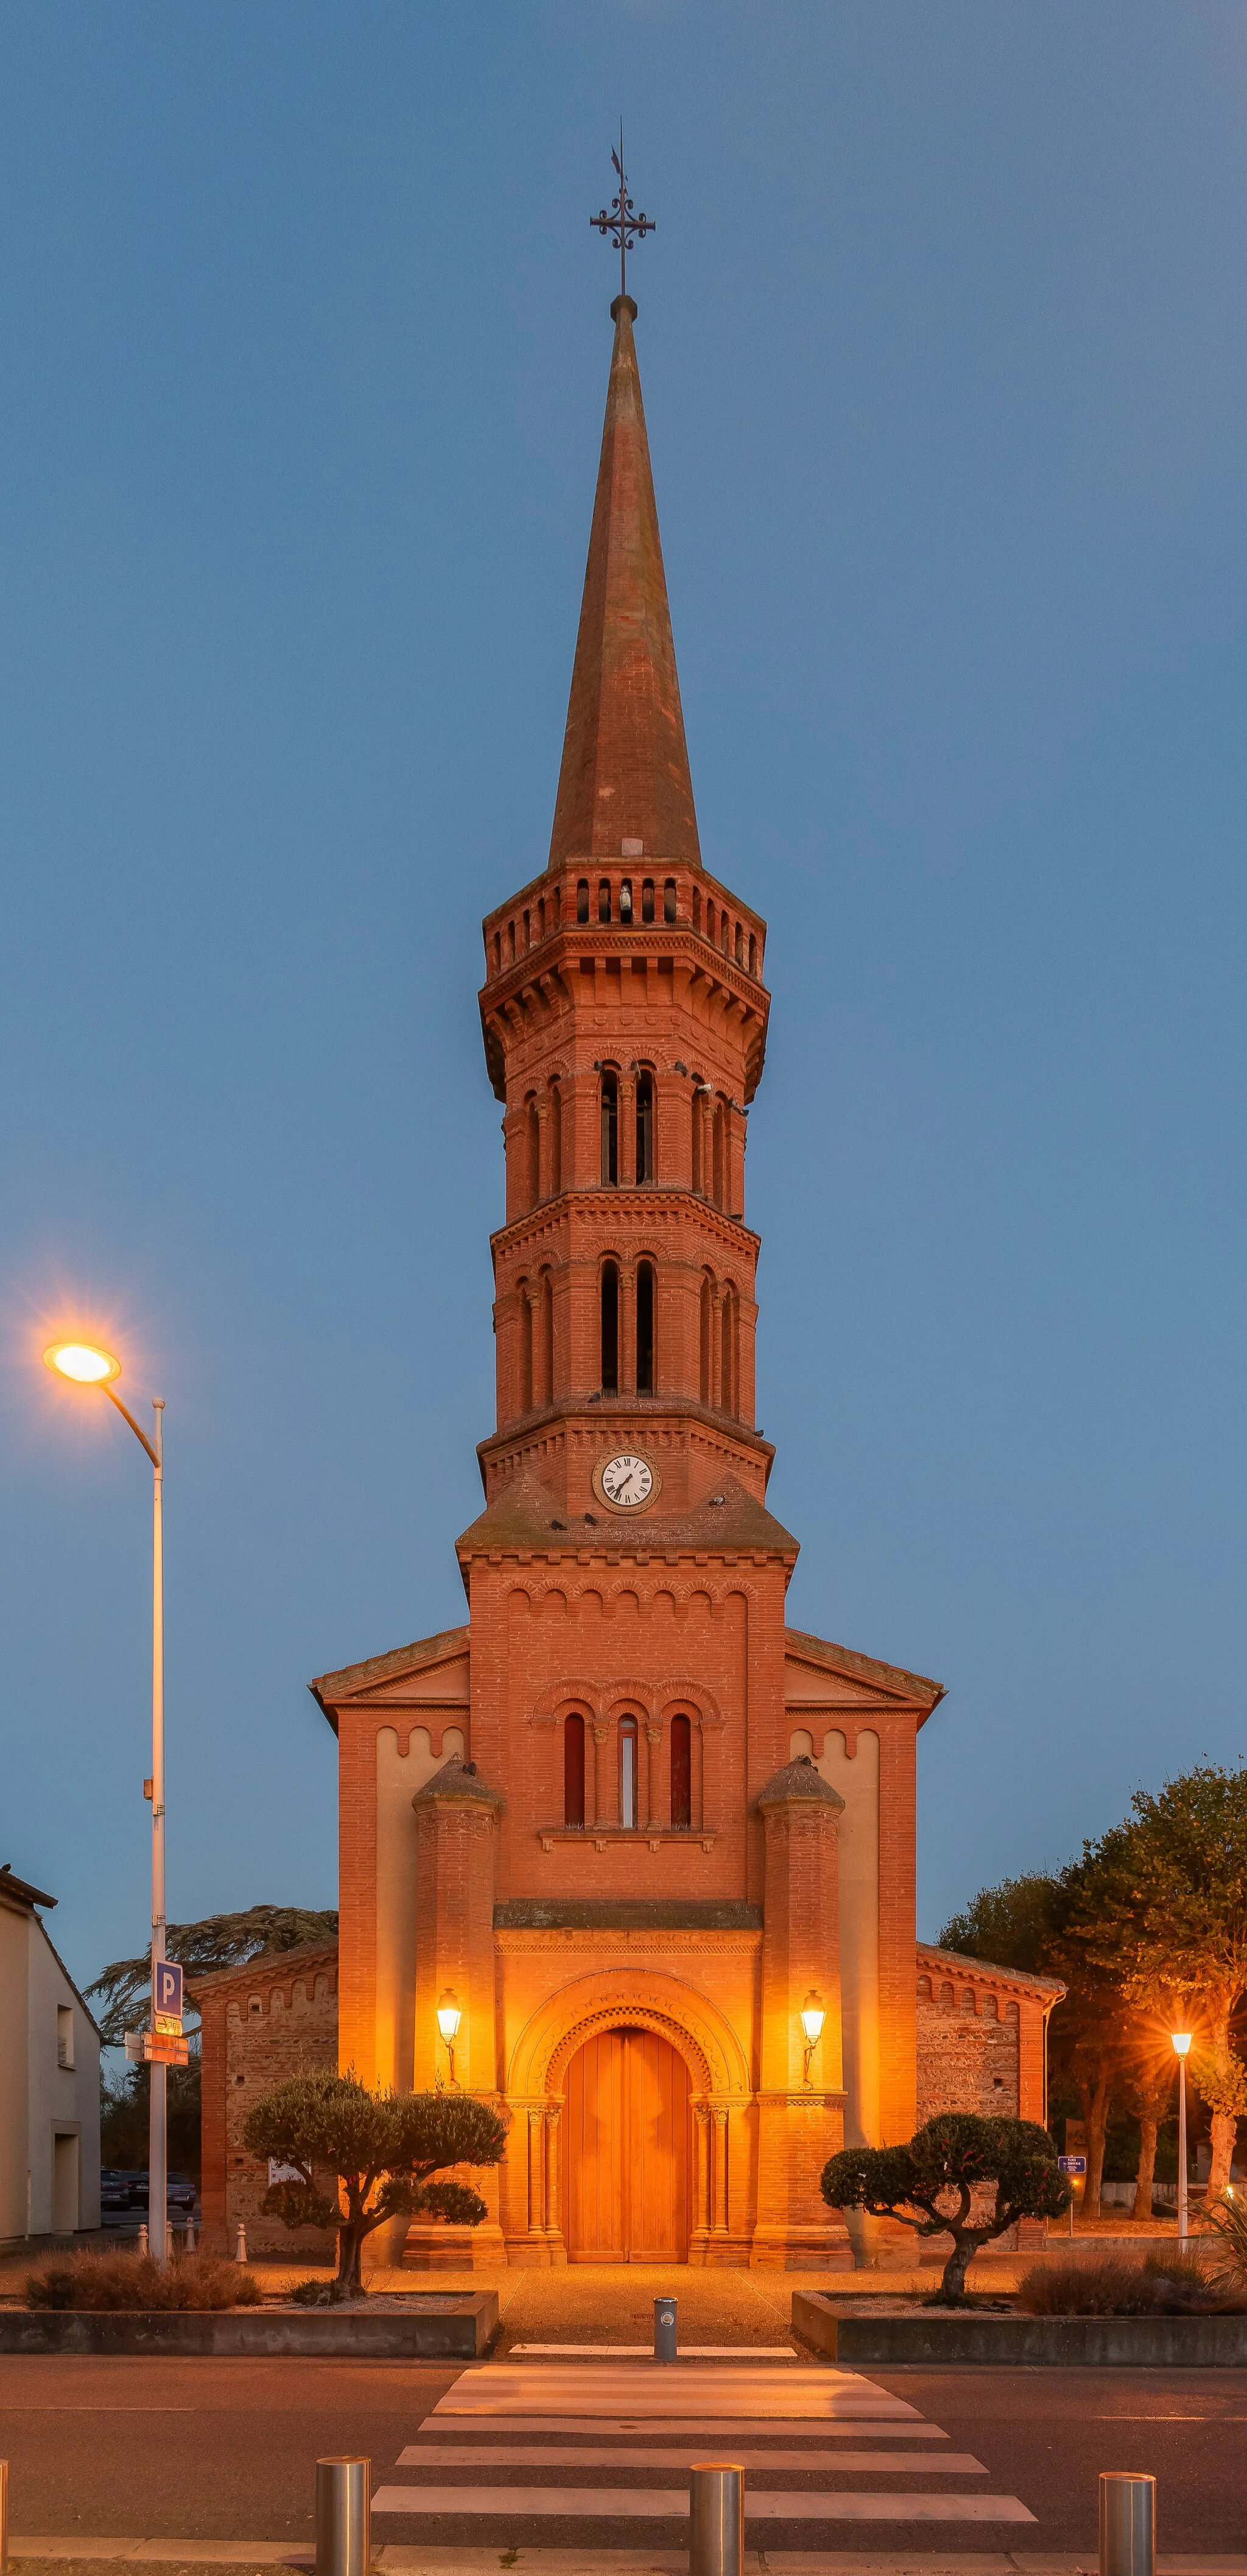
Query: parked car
(116, 2188)
(179, 2192)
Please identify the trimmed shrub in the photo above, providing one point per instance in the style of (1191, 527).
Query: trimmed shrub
(1109, 2288)
(134, 2281)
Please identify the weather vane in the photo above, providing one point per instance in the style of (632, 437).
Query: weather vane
(621, 221)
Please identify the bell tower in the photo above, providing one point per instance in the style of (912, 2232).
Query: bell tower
(624, 1017)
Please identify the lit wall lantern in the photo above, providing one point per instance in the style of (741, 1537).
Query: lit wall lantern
(812, 2019)
(448, 2020)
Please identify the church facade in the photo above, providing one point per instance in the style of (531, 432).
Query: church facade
(624, 1852)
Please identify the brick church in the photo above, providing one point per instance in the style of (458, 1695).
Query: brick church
(623, 1852)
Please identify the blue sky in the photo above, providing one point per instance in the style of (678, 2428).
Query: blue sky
(306, 340)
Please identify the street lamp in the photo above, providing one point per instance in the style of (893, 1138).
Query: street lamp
(812, 2019)
(448, 2020)
(85, 1364)
(1182, 2049)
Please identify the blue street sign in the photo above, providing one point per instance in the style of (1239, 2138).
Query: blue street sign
(168, 1995)
(1072, 2164)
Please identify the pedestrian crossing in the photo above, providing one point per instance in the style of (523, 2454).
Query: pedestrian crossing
(544, 2444)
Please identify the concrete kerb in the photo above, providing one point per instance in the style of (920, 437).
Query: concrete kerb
(109, 2557)
(941, 2335)
(449, 2328)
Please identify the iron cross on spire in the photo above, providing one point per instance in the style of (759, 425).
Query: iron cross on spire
(621, 221)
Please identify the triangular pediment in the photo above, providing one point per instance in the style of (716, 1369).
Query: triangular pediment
(819, 1675)
(433, 1672)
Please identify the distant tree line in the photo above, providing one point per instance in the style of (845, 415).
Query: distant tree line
(1148, 1929)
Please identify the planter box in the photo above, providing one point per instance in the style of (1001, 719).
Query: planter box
(938, 2334)
(441, 2329)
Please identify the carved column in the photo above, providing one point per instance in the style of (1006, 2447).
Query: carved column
(716, 1347)
(627, 1131)
(800, 2117)
(536, 2173)
(701, 2175)
(554, 2232)
(719, 2222)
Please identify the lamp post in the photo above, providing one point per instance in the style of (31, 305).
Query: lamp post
(449, 2017)
(1182, 2049)
(812, 2019)
(84, 1364)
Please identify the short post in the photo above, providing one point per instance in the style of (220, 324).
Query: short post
(717, 2519)
(143, 2244)
(4, 2517)
(169, 2240)
(665, 2312)
(343, 2517)
(190, 2233)
(1127, 2524)
(240, 2243)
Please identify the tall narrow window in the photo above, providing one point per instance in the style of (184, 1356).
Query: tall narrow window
(610, 1130)
(647, 900)
(532, 1150)
(556, 1139)
(707, 1327)
(696, 911)
(627, 1771)
(645, 1127)
(543, 1365)
(526, 1348)
(582, 900)
(753, 954)
(604, 900)
(697, 1134)
(625, 900)
(719, 1154)
(645, 1328)
(573, 1771)
(668, 900)
(710, 923)
(681, 1774)
(610, 1328)
(740, 944)
(727, 1372)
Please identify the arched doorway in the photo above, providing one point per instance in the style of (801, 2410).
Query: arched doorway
(627, 2152)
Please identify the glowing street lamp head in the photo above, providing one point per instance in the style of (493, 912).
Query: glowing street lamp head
(1182, 2042)
(448, 2018)
(84, 1362)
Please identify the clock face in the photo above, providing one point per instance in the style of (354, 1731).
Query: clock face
(627, 1482)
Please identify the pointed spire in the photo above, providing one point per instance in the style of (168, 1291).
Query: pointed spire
(625, 773)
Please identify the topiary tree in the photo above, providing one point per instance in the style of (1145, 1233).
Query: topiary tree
(952, 2162)
(382, 2149)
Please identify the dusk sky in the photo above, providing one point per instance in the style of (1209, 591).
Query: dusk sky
(305, 345)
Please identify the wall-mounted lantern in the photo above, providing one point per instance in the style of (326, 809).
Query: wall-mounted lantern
(448, 2020)
(812, 2019)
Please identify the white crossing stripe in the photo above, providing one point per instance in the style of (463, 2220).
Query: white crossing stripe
(777, 2428)
(645, 2351)
(522, 2455)
(657, 2504)
(660, 2388)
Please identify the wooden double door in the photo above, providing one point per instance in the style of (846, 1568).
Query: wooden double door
(627, 2151)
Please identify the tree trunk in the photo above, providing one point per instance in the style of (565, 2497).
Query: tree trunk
(1147, 2168)
(953, 2285)
(1224, 2140)
(350, 2249)
(1098, 2109)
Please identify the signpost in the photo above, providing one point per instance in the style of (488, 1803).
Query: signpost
(1071, 2166)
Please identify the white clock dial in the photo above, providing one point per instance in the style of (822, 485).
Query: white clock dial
(627, 1481)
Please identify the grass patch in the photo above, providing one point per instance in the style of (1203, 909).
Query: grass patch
(1164, 2285)
(134, 2281)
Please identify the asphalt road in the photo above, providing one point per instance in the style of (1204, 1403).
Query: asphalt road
(226, 2450)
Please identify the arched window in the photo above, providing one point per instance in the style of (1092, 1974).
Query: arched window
(573, 1771)
(707, 1328)
(647, 900)
(511, 942)
(710, 921)
(628, 1771)
(556, 1139)
(698, 1126)
(526, 1348)
(753, 955)
(543, 1362)
(668, 900)
(645, 1127)
(625, 899)
(681, 1773)
(532, 1151)
(582, 900)
(727, 1372)
(497, 952)
(645, 1328)
(719, 1152)
(541, 918)
(610, 1328)
(610, 1130)
(740, 944)
(696, 910)
(604, 900)
(528, 930)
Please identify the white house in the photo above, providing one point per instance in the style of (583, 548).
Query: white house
(49, 2081)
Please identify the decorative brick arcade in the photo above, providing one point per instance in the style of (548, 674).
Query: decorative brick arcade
(623, 1823)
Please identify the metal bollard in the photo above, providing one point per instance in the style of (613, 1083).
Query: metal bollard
(343, 2517)
(240, 2243)
(170, 2248)
(664, 2329)
(1127, 2524)
(717, 2518)
(4, 2517)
